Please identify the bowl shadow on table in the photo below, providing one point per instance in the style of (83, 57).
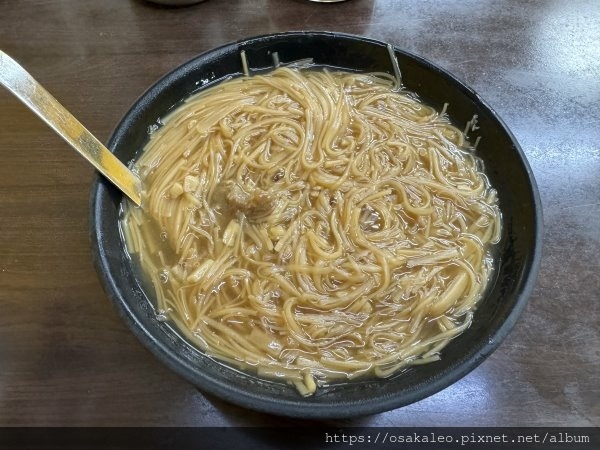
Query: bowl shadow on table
(267, 431)
(242, 417)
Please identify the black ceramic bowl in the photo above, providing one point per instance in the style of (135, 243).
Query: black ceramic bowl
(513, 277)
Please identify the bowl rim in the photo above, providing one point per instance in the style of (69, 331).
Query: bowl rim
(303, 408)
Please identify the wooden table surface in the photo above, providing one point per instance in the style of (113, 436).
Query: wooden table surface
(66, 358)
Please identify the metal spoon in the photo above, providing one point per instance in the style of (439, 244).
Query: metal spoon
(29, 91)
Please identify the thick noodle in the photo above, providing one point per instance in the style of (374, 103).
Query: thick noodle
(313, 225)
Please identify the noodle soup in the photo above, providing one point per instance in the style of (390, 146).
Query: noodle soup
(313, 226)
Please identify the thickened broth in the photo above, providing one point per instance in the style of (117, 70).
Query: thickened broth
(313, 226)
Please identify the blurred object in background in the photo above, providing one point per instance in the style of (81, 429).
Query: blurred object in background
(177, 2)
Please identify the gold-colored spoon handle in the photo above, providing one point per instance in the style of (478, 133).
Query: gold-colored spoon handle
(29, 91)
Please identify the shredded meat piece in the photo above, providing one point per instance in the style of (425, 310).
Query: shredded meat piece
(250, 200)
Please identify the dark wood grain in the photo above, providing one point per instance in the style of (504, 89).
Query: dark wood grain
(66, 357)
